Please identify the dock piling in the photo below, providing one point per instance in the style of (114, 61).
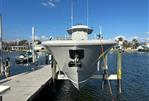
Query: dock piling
(33, 44)
(47, 59)
(7, 67)
(53, 67)
(1, 98)
(119, 71)
(98, 65)
(106, 74)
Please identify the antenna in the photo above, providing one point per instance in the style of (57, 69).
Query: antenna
(0, 32)
(1, 9)
(100, 32)
(87, 12)
(1, 45)
(72, 13)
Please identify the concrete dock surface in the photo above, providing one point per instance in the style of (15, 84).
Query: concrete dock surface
(24, 85)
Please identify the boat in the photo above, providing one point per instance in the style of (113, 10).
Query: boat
(77, 57)
(24, 58)
(143, 48)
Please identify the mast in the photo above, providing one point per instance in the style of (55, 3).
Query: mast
(0, 33)
(72, 13)
(1, 48)
(87, 12)
(33, 44)
(100, 32)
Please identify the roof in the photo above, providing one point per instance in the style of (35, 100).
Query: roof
(80, 28)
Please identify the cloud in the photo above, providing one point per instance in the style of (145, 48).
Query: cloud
(146, 32)
(134, 37)
(44, 37)
(50, 3)
(37, 38)
(57, 0)
(120, 36)
(44, 4)
(40, 37)
(54, 0)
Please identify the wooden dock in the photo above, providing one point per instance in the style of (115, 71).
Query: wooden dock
(24, 85)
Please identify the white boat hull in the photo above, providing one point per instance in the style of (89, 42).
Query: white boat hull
(91, 50)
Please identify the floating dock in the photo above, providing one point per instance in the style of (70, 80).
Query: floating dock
(24, 85)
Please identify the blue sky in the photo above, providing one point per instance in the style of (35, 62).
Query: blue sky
(129, 18)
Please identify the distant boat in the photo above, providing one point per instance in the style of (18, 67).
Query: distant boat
(143, 48)
(78, 57)
(39, 48)
(24, 58)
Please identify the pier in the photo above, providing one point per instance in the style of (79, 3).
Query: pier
(24, 85)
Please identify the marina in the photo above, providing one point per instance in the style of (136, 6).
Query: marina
(85, 64)
(137, 65)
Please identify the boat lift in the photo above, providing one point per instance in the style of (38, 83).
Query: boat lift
(107, 77)
(104, 77)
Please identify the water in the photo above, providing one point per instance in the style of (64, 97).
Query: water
(22, 68)
(135, 83)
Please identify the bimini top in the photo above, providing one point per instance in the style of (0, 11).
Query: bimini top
(80, 28)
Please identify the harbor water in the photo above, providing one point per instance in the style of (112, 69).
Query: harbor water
(22, 68)
(135, 81)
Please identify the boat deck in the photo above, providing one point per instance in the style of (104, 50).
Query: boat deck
(24, 85)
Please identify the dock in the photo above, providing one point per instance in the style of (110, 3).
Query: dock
(24, 85)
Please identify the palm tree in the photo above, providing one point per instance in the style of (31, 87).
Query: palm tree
(125, 44)
(135, 43)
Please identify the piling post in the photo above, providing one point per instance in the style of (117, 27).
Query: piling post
(7, 68)
(2, 69)
(47, 59)
(98, 65)
(119, 71)
(106, 75)
(104, 68)
(53, 67)
(1, 98)
(33, 44)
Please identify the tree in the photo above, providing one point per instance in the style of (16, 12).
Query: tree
(135, 43)
(120, 39)
(125, 44)
(37, 42)
(23, 42)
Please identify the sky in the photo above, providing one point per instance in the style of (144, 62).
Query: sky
(127, 18)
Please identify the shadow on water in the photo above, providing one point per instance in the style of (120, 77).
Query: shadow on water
(48, 92)
(65, 91)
